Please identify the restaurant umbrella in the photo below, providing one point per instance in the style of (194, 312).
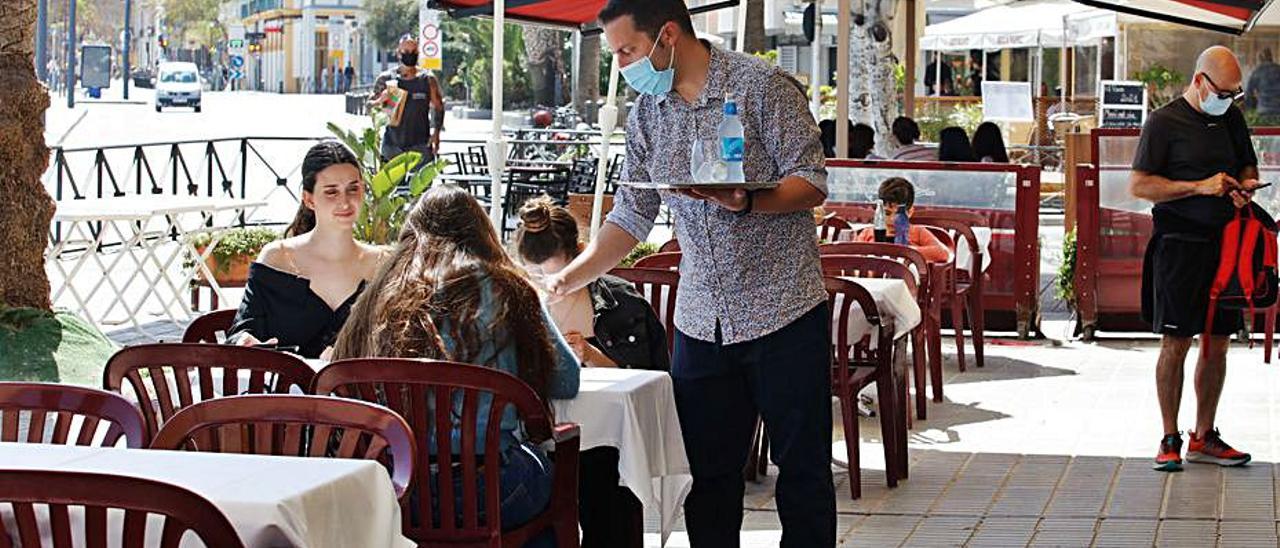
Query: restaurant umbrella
(1229, 16)
(569, 14)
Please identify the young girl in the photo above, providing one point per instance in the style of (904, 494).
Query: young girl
(450, 292)
(301, 288)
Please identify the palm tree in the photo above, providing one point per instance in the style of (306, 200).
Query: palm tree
(26, 209)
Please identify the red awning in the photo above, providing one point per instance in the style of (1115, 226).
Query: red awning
(1230, 16)
(569, 13)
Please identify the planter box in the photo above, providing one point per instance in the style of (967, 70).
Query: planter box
(580, 208)
(232, 275)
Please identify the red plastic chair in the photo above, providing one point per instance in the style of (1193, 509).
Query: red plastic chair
(409, 387)
(949, 292)
(295, 426)
(672, 245)
(855, 366)
(832, 227)
(660, 261)
(218, 368)
(659, 287)
(63, 404)
(56, 491)
(969, 283)
(205, 328)
(924, 337)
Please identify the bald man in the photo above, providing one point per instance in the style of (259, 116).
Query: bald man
(1196, 163)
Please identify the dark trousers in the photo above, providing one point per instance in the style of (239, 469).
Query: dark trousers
(610, 514)
(785, 377)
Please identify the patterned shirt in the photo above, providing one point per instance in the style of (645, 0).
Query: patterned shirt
(750, 275)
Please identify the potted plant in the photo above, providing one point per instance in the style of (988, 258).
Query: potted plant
(235, 250)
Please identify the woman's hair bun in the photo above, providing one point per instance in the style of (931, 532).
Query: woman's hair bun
(535, 214)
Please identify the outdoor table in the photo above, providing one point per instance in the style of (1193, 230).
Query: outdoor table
(964, 257)
(88, 224)
(271, 501)
(895, 302)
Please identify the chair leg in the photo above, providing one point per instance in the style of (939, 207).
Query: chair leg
(889, 423)
(918, 358)
(852, 437)
(934, 340)
(977, 322)
(957, 323)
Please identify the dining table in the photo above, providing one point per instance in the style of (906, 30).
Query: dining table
(964, 255)
(271, 501)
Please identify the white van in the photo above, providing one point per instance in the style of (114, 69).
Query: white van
(178, 85)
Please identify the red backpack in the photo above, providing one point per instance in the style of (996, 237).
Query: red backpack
(1246, 277)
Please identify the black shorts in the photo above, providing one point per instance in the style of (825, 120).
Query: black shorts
(1177, 272)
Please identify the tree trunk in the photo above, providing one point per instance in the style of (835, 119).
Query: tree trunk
(755, 39)
(588, 73)
(25, 210)
(542, 48)
(873, 97)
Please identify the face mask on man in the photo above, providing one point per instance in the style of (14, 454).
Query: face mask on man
(1214, 104)
(409, 58)
(643, 77)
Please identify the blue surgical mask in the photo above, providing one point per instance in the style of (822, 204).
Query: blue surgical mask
(1214, 105)
(644, 78)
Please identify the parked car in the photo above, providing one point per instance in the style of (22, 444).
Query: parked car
(143, 78)
(178, 84)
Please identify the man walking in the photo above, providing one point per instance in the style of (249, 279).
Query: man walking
(753, 329)
(1197, 164)
(422, 121)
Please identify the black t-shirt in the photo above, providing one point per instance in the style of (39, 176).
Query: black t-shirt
(1181, 143)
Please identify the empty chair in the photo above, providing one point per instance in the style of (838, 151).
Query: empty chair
(205, 329)
(659, 287)
(450, 452)
(180, 375)
(832, 227)
(54, 408)
(660, 261)
(670, 246)
(181, 509)
(295, 426)
(970, 282)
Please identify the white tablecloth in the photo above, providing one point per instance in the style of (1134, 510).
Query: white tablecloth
(894, 302)
(635, 411)
(271, 501)
(964, 257)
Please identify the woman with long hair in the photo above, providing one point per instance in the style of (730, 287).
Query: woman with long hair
(988, 144)
(450, 292)
(954, 146)
(301, 288)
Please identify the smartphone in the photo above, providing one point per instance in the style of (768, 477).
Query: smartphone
(1260, 187)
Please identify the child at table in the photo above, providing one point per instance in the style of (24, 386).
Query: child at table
(608, 324)
(301, 288)
(450, 292)
(898, 194)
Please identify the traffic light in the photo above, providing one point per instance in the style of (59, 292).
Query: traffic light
(164, 41)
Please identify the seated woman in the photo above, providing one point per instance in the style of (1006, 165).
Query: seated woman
(988, 144)
(301, 288)
(954, 146)
(608, 324)
(450, 292)
(899, 198)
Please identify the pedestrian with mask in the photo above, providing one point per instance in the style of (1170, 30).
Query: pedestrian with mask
(753, 329)
(1196, 162)
(422, 119)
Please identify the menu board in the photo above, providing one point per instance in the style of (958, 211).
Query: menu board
(1123, 104)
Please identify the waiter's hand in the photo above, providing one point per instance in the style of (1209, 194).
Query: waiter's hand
(1218, 185)
(730, 199)
(1244, 194)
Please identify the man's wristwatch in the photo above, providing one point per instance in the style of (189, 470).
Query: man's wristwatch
(751, 202)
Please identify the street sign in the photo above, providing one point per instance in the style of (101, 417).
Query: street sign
(430, 38)
(236, 44)
(237, 61)
(235, 74)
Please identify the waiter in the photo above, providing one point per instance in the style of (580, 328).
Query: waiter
(423, 118)
(753, 330)
(1196, 163)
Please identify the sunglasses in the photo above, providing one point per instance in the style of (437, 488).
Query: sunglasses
(1232, 95)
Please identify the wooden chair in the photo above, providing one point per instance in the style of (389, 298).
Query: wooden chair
(670, 246)
(924, 337)
(832, 227)
(57, 492)
(205, 328)
(167, 386)
(63, 403)
(410, 388)
(295, 426)
(660, 261)
(969, 283)
(855, 366)
(659, 287)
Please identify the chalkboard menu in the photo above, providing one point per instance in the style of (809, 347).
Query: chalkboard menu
(1123, 104)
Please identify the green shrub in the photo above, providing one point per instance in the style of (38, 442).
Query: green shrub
(1066, 282)
(235, 243)
(642, 250)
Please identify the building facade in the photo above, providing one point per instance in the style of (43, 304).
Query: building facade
(303, 46)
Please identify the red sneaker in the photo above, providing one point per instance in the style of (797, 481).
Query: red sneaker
(1211, 449)
(1169, 459)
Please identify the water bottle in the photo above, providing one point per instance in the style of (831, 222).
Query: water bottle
(901, 227)
(879, 228)
(732, 143)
